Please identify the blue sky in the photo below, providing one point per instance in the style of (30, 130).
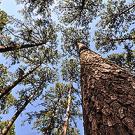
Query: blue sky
(10, 7)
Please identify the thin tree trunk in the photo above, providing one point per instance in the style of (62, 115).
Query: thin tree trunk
(11, 122)
(65, 125)
(18, 47)
(108, 96)
(9, 88)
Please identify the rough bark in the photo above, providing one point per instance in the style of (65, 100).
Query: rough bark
(7, 90)
(108, 96)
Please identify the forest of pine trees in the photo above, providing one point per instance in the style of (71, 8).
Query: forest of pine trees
(72, 61)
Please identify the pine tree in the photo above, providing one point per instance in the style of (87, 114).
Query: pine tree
(107, 89)
(107, 94)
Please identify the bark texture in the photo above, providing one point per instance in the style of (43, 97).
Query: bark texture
(108, 95)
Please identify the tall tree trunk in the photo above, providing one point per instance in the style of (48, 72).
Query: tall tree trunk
(11, 122)
(108, 96)
(67, 112)
(9, 88)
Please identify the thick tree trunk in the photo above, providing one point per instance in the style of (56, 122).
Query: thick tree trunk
(108, 96)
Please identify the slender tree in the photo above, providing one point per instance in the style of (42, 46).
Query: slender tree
(16, 115)
(58, 111)
(69, 100)
(25, 99)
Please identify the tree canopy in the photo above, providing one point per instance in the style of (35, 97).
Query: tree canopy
(41, 48)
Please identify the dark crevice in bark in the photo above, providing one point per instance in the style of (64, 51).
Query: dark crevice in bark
(108, 95)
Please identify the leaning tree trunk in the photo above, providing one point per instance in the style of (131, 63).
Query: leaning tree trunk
(7, 90)
(16, 115)
(108, 95)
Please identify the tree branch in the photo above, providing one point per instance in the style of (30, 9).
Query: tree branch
(9, 88)
(18, 47)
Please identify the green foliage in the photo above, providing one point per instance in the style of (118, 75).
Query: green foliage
(4, 75)
(123, 61)
(35, 84)
(81, 12)
(69, 38)
(115, 25)
(3, 124)
(3, 20)
(37, 6)
(50, 119)
(32, 31)
(133, 35)
(70, 70)
(6, 103)
(57, 53)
